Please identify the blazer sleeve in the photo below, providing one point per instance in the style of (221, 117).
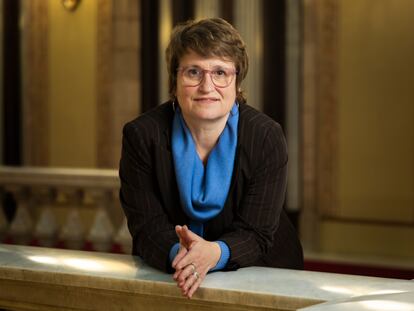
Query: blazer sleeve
(153, 234)
(256, 219)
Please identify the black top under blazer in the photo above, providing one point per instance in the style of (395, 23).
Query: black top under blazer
(252, 223)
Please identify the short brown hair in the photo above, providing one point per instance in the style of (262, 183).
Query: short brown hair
(207, 37)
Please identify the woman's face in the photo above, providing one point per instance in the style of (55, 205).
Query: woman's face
(206, 101)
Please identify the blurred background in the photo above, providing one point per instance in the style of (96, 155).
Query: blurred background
(336, 74)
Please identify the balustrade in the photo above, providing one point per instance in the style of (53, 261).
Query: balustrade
(64, 208)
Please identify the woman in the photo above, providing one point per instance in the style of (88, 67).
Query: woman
(203, 176)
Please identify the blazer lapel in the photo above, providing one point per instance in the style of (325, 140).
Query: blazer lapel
(166, 179)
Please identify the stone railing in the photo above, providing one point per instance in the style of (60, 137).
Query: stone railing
(33, 278)
(62, 207)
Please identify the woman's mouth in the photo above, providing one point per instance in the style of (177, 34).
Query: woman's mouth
(206, 99)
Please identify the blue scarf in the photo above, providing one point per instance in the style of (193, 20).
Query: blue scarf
(203, 190)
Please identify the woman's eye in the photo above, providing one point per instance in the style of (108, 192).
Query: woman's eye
(193, 72)
(220, 72)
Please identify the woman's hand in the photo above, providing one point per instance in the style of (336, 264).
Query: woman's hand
(195, 258)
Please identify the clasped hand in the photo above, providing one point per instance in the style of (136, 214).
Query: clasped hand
(193, 261)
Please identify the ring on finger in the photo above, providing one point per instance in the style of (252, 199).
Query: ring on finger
(193, 267)
(197, 276)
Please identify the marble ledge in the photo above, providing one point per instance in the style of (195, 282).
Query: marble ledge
(52, 279)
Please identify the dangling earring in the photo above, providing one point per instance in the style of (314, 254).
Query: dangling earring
(174, 104)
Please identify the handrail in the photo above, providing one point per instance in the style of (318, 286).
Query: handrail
(77, 280)
(72, 177)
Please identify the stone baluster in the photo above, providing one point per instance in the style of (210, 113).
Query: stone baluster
(101, 233)
(4, 225)
(67, 203)
(72, 234)
(46, 228)
(100, 236)
(20, 230)
(123, 239)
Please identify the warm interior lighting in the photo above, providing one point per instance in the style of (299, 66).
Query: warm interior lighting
(347, 291)
(70, 4)
(84, 264)
(44, 259)
(386, 291)
(337, 289)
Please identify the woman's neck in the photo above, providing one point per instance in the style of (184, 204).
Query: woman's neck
(206, 136)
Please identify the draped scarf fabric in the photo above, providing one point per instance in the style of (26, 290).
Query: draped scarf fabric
(203, 189)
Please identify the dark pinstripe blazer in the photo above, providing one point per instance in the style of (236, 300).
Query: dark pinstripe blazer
(252, 222)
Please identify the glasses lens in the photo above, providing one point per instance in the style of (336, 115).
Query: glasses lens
(193, 76)
(221, 77)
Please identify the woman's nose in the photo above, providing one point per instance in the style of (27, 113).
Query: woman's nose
(206, 84)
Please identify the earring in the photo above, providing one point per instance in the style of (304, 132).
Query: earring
(174, 104)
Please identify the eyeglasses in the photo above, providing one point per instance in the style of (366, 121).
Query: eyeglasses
(192, 76)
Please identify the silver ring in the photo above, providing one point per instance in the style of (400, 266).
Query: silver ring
(193, 266)
(196, 275)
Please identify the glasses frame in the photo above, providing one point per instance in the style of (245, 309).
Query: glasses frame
(233, 73)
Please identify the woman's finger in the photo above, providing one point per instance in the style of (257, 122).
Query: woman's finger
(182, 275)
(181, 253)
(193, 288)
(194, 279)
(196, 284)
(202, 253)
(187, 238)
